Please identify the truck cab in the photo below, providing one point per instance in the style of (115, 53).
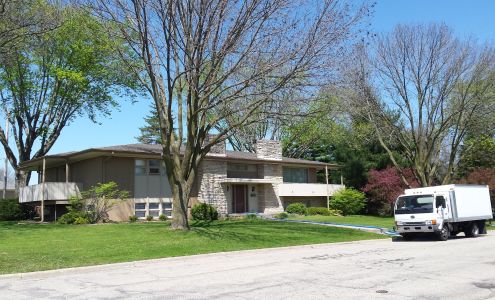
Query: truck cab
(421, 213)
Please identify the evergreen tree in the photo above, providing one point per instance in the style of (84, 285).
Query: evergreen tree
(150, 133)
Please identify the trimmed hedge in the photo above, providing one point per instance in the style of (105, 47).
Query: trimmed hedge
(204, 212)
(296, 208)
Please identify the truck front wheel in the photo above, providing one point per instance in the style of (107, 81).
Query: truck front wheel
(473, 230)
(444, 233)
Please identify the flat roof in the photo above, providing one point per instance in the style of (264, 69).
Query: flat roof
(155, 151)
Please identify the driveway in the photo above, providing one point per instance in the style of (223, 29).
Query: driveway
(461, 268)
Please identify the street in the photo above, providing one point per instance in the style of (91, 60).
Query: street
(460, 268)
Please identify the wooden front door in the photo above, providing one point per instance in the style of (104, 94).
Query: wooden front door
(240, 201)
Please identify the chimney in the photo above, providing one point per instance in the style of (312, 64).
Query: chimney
(269, 149)
(218, 149)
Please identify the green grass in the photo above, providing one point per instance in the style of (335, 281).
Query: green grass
(383, 222)
(35, 247)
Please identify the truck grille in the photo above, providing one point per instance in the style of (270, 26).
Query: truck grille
(414, 223)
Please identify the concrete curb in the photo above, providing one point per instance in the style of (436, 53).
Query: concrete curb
(368, 228)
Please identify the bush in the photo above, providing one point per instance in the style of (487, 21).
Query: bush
(81, 220)
(282, 215)
(296, 208)
(251, 217)
(204, 212)
(132, 219)
(149, 218)
(72, 216)
(10, 210)
(162, 217)
(322, 211)
(349, 201)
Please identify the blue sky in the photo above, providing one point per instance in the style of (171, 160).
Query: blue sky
(465, 17)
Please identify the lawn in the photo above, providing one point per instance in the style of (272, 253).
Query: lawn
(34, 247)
(383, 222)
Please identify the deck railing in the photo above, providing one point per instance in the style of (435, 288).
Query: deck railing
(51, 191)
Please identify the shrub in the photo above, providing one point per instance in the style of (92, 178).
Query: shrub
(349, 201)
(72, 216)
(162, 217)
(204, 212)
(81, 220)
(322, 211)
(282, 215)
(132, 219)
(101, 198)
(149, 218)
(296, 208)
(10, 210)
(251, 217)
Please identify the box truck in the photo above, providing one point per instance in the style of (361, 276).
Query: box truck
(444, 211)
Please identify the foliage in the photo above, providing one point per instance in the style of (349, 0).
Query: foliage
(282, 215)
(10, 210)
(349, 201)
(49, 79)
(133, 219)
(251, 217)
(204, 212)
(322, 211)
(149, 218)
(150, 132)
(101, 198)
(383, 188)
(296, 208)
(162, 217)
(446, 89)
(477, 153)
(81, 221)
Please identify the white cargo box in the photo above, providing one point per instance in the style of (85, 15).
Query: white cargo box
(468, 202)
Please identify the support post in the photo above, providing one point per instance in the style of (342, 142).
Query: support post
(66, 171)
(43, 191)
(341, 178)
(326, 179)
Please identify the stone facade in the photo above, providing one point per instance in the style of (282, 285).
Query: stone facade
(211, 190)
(270, 150)
(271, 201)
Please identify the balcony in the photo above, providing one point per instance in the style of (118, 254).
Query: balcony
(52, 191)
(308, 189)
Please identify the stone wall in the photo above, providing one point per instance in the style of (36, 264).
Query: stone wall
(211, 190)
(271, 200)
(267, 149)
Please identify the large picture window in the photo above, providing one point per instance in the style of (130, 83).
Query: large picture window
(296, 175)
(147, 167)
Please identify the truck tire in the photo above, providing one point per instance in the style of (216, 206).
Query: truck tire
(444, 233)
(473, 230)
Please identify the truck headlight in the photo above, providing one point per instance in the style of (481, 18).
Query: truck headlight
(399, 223)
(431, 222)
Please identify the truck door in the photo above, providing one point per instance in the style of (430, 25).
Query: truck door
(441, 206)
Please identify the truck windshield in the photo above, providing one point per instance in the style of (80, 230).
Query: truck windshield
(414, 204)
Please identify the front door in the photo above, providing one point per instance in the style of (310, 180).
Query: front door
(240, 203)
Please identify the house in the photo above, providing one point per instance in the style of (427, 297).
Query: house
(234, 182)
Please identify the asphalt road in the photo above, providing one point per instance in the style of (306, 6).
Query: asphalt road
(461, 268)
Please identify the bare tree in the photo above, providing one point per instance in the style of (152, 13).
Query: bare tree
(206, 60)
(423, 88)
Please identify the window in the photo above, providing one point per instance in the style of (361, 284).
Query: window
(296, 175)
(140, 167)
(167, 208)
(154, 167)
(140, 210)
(440, 200)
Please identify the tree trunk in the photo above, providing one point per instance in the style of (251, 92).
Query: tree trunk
(21, 179)
(180, 193)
